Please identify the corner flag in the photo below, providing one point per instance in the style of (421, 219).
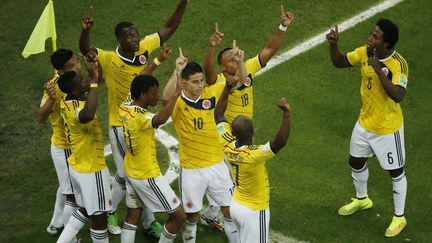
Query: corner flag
(44, 29)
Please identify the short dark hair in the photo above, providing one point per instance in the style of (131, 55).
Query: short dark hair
(118, 31)
(66, 82)
(60, 57)
(141, 84)
(219, 58)
(390, 30)
(191, 69)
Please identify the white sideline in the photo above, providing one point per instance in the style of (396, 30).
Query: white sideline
(171, 143)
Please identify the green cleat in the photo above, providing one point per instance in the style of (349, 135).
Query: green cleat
(112, 224)
(396, 226)
(355, 205)
(155, 229)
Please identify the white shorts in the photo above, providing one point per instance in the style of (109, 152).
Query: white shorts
(92, 190)
(155, 193)
(59, 157)
(389, 149)
(118, 147)
(253, 225)
(214, 180)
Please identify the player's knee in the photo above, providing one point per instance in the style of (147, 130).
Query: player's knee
(357, 163)
(179, 216)
(396, 173)
(192, 217)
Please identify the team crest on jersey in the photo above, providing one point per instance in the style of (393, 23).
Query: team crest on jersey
(385, 70)
(189, 204)
(247, 82)
(206, 104)
(142, 59)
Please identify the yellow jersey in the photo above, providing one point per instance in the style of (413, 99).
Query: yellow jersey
(140, 161)
(85, 140)
(58, 137)
(119, 72)
(196, 129)
(379, 113)
(248, 169)
(241, 101)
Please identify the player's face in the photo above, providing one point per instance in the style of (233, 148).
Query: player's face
(194, 86)
(153, 95)
(129, 40)
(376, 38)
(228, 64)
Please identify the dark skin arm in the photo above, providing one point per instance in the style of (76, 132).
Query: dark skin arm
(336, 56)
(88, 113)
(223, 101)
(86, 25)
(174, 21)
(284, 130)
(395, 92)
(45, 110)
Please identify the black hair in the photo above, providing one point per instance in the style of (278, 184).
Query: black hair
(390, 30)
(120, 26)
(191, 69)
(219, 58)
(66, 82)
(141, 84)
(60, 57)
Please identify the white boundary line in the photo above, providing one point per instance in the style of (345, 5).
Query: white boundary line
(171, 143)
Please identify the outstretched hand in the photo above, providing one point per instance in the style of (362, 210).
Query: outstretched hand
(333, 36)
(181, 61)
(217, 37)
(238, 54)
(165, 52)
(283, 105)
(92, 65)
(374, 61)
(51, 91)
(286, 16)
(87, 21)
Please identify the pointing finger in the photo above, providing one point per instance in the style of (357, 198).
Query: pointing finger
(216, 28)
(90, 11)
(282, 9)
(336, 29)
(180, 52)
(234, 44)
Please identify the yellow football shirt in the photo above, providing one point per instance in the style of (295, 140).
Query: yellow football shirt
(241, 101)
(140, 161)
(58, 137)
(248, 169)
(379, 113)
(119, 72)
(196, 129)
(85, 140)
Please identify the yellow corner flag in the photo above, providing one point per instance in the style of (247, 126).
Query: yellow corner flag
(44, 29)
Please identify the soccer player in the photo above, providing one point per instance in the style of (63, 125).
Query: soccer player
(89, 172)
(203, 169)
(62, 60)
(241, 100)
(379, 130)
(250, 203)
(144, 182)
(119, 67)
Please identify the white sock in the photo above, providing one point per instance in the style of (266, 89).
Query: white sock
(212, 211)
(69, 209)
(147, 217)
(166, 237)
(399, 193)
(189, 232)
(360, 178)
(118, 191)
(76, 222)
(99, 236)
(128, 233)
(231, 231)
(57, 218)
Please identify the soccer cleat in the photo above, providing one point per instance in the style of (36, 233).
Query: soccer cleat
(155, 229)
(52, 230)
(396, 226)
(355, 206)
(112, 224)
(213, 223)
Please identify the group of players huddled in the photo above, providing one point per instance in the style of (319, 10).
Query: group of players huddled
(212, 115)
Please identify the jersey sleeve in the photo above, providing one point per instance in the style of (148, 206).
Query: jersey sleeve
(225, 134)
(263, 153)
(150, 43)
(217, 89)
(145, 122)
(45, 97)
(400, 77)
(102, 57)
(253, 65)
(355, 56)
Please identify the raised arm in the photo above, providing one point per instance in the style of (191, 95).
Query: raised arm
(276, 40)
(174, 21)
(87, 114)
(339, 60)
(209, 64)
(86, 25)
(284, 130)
(175, 77)
(223, 100)
(168, 107)
(162, 57)
(241, 72)
(46, 108)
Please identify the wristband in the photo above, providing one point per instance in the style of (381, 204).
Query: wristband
(282, 28)
(93, 83)
(156, 61)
